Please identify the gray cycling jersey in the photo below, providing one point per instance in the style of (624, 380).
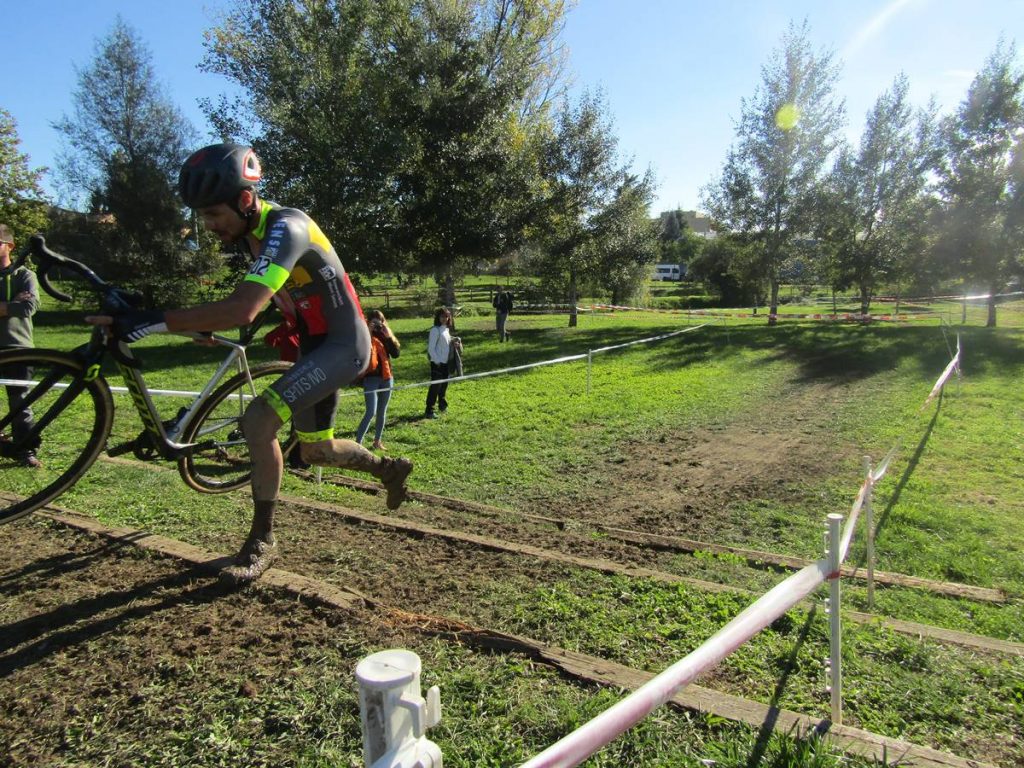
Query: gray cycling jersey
(310, 284)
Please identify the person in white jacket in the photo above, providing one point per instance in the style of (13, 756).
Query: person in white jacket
(438, 348)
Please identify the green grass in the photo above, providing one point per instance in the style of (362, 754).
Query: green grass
(949, 508)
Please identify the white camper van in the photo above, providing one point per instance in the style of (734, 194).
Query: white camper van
(667, 272)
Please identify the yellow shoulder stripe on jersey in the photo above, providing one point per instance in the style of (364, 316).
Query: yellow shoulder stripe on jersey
(261, 228)
(317, 237)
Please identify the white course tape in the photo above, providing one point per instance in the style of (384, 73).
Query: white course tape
(576, 747)
(527, 366)
(467, 377)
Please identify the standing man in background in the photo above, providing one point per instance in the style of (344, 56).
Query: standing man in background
(19, 300)
(502, 304)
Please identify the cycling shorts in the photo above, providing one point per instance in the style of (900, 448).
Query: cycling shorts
(308, 392)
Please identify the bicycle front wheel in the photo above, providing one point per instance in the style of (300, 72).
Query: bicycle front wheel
(53, 426)
(220, 461)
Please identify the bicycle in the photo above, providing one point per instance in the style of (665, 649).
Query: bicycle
(73, 407)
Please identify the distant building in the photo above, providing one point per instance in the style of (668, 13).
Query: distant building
(673, 223)
(699, 223)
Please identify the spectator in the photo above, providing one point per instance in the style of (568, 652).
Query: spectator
(438, 350)
(378, 381)
(19, 300)
(502, 304)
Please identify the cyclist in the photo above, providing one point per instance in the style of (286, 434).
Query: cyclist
(295, 266)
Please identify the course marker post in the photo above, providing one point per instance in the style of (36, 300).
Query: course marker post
(590, 360)
(835, 662)
(869, 524)
(395, 717)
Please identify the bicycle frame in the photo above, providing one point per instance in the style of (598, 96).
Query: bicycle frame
(167, 439)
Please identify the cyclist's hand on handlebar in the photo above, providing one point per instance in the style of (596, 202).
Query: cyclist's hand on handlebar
(132, 326)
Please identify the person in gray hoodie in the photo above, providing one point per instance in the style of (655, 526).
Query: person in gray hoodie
(19, 300)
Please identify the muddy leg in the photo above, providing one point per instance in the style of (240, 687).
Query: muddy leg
(347, 454)
(259, 425)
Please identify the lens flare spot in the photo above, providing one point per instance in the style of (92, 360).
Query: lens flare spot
(787, 117)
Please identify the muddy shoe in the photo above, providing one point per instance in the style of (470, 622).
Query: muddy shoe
(255, 557)
(393, 480)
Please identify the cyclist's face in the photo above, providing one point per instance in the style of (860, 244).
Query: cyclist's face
(224, 222)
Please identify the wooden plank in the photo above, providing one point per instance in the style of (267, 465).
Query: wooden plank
(607, 566)
(301, 586)
(577, 665)
(852, 741)
(753, 557)
(500, 545)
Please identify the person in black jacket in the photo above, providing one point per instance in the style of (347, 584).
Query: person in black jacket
(19, 300)
(502, 304)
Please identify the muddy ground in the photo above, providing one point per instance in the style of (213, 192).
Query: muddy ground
(88, 626)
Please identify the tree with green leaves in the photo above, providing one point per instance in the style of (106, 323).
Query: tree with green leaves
(982, 179)
(626, 238)
(870, 226)
(730, 267)
(409, 129)
(22, 201)
(123, 147)
(786, 134)
(582, 178)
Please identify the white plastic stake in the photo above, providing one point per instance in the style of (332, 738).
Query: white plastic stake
(395, 717)
(835, 522)
(869, 523)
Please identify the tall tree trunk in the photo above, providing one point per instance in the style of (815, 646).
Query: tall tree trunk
(446, 292)
(773, 309)
(991, 322)
(865, 298)
(572, 300)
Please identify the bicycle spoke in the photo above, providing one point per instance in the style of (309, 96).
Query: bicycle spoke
(220, 461)
(70, 421)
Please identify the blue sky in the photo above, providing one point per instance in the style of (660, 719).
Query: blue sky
(673, 72)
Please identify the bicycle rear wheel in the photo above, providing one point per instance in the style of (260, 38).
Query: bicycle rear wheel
(71, 417)
(220, 460)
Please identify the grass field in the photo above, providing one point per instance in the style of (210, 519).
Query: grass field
(736, 433)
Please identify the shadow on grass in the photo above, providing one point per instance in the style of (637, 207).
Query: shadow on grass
(68, 625)
(48, 567)
(767, 728)
(908, 472)
(822, 351)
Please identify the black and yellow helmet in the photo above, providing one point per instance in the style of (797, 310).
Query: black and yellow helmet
(217, 173)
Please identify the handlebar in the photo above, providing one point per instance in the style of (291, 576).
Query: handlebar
(113, 300)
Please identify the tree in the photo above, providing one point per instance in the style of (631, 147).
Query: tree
(626, 238)
(22, 202)
(727, 265)
(409, 129)
(124, 145)
(869, 223)
(982, 178)
(785, 135)
(581, 180)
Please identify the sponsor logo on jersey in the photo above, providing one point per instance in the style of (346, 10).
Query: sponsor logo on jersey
(260, 266)
(327, 272)
(304, 384)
